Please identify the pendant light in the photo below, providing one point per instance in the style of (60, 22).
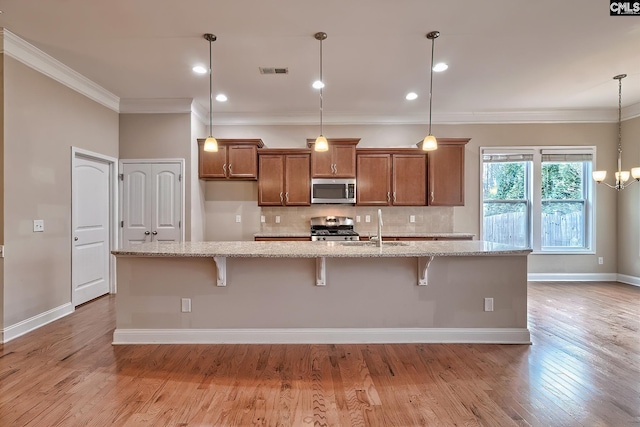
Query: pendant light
(210, 144)
(621, 176)
(321, 142)
(430, 142)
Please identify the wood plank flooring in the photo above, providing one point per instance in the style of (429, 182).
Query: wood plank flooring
(583, 369)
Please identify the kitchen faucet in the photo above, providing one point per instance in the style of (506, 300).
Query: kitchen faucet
(378, 238)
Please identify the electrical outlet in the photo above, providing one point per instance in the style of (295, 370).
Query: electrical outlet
(600, 260)
(38, 225)
(277, 219)
(412, 218)
(367, 218)
(357, 218)
(186, 305)
(263, 219)
(488, 304)
(238, 218)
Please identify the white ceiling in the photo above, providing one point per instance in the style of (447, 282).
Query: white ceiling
(509, 60)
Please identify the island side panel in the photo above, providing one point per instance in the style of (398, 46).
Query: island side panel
(360, 293)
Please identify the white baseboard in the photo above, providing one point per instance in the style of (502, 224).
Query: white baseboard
(629, 280)
(35, 322)
(572, 277)
(323, 336)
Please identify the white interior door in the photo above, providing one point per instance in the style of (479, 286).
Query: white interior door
(91, 195)
(166, 202)
(136, 206)
(151, 202)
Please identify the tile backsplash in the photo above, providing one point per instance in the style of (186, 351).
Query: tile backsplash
(396, 218)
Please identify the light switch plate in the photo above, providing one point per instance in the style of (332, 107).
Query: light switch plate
(38, 225)
(238, 218)
(412, 218)
(262, 218)
(277, 219)
(357, 218)
(367, 218)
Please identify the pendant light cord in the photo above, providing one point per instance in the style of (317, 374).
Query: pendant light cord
(620, 77)
(321, 86)
(431, 82)
(210, 91)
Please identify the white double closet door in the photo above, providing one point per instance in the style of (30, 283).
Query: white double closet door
(152, 202)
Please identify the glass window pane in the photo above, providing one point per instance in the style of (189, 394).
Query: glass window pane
(562, 180)
(506, 223)
(563, 224)
(503, 181)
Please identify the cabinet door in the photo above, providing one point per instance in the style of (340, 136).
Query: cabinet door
(409, 180)
(322, 164)
(373, 182)
(344, 161)
(297, 180)
(446, 176)
(242, 162)
(212, 165)
(271, 181)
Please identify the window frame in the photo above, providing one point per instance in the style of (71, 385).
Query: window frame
(534, 177)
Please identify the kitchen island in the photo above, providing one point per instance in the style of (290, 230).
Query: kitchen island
(321, 292)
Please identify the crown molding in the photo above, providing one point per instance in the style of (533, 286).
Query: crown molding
(34, 58)
(200, 113)
(155, 105)
(631, 112)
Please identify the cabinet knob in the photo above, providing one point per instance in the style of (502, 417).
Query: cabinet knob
(146, 233)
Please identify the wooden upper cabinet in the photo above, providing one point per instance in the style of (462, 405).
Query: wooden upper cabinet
(373, 182)
(391, 177)
(284, 178)
(235, 159)
(446, 173)
(338, 162)
(409, 180)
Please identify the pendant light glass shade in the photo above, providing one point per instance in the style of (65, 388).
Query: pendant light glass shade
(321, 142)
(430, 143)
(210, 144)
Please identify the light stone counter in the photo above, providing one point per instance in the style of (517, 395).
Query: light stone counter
(323, 249)
(321, 292)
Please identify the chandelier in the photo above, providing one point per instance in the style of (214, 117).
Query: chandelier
(621, 176)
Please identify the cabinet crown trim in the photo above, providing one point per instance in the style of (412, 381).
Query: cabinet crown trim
(335, 141)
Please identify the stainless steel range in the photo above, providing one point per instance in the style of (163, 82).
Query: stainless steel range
(332, 228)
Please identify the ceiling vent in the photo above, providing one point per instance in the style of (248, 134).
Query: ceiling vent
(274, 70)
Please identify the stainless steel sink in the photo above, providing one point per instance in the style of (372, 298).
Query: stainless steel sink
(369, 243)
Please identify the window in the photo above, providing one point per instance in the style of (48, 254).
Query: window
(540, 198)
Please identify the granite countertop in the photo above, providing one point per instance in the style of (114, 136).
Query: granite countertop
(266, 249)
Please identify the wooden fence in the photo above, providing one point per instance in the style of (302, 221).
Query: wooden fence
(558, 229)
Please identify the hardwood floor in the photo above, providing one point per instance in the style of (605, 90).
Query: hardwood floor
(582, 369)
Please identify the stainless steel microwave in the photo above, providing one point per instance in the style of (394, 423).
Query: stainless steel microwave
(329, 190)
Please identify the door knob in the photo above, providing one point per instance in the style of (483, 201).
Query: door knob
(146, 233)
(75, 238)
(154, 233)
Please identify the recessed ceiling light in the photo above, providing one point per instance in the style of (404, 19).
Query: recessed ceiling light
(440, 66)
(318, 84)
(411, 96)
(200, 69)
(221, 97)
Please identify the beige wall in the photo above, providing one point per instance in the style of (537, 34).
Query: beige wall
(2, 191)
(159, 136)
(467, 218)
(42, 121)
(629, 204)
